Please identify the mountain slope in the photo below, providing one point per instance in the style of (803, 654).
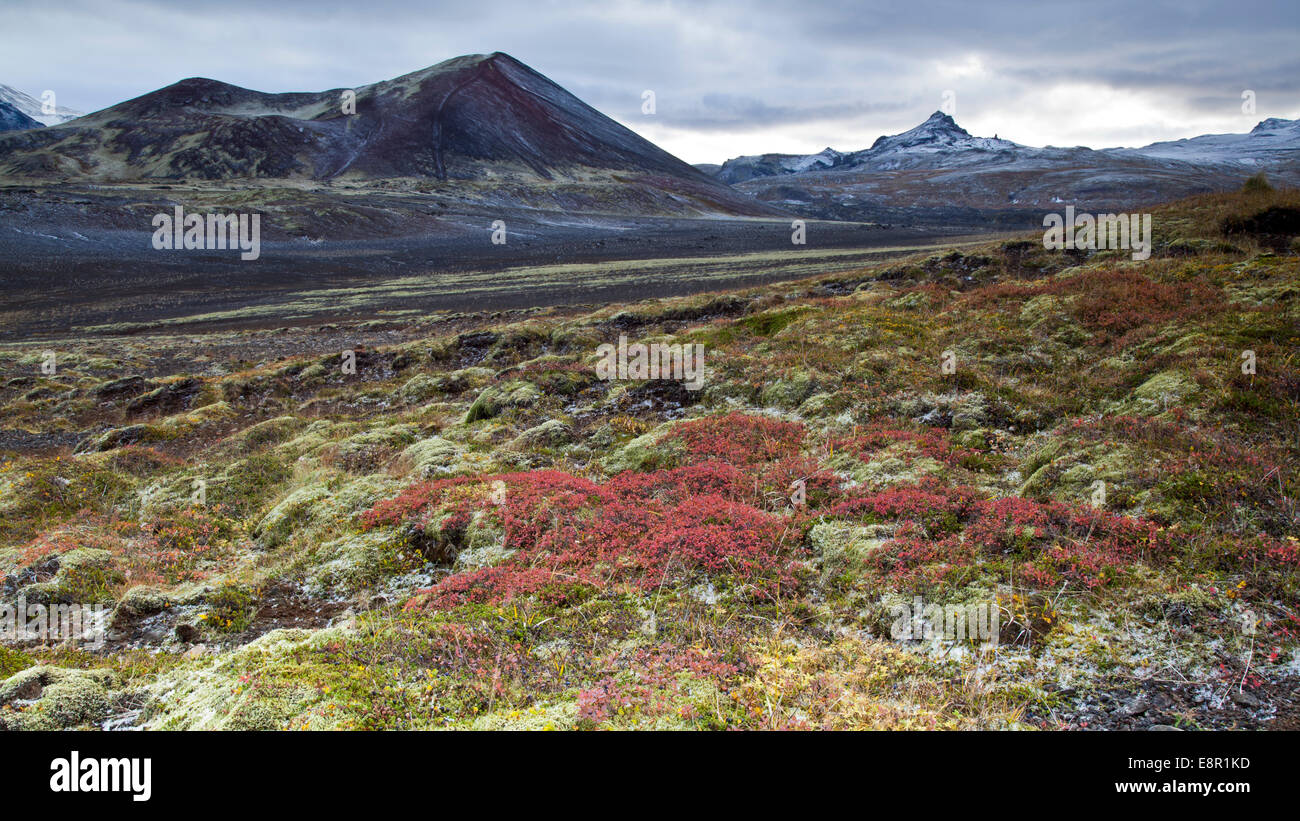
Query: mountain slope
(938, 172)
(32, 107)
(1272, 141)
(476, 118)
(11, 119)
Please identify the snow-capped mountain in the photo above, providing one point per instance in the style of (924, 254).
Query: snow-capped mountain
(1271, 141)
(31, 107)
(938, 171)
(937, 139)
(766, 165)
(11, 119)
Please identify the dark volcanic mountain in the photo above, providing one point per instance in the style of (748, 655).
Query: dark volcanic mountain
(476, 118)
(11, 119)
(939, 172)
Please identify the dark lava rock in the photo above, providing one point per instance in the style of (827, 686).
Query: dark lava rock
(124, 387)
(167, 399)
(1135, 707)
(115, 438)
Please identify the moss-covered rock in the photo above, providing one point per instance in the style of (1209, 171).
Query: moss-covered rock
(484, 544)
(55, 698)
(279, 522)
(840, 548)
(825, 404)
(267, 432)
(419, 388)
(319, 506)
(365, 451)
(1163, 390)
(645, 452)
(497, 398)
(459, 381)
(976, 439)
(208, 694)
(140, 602)
(1066, 472)
(788, 392)
(121, 437)
(85, 576)
(552, 433)
(888, 469)
(432, 455)
(957, 410)
(354, 562)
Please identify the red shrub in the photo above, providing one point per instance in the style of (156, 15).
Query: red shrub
(637, 529)
(739, 438)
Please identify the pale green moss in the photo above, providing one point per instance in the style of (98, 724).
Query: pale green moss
(1067, 473)
(268, 432)
(497, 398)
(208, 694)
(138, 602)
(59, 698)
(646, 452)
(1165, 389)
(550, 434)
(788, 392)
(85, 576)
(280, 521)
(842, 547)
(432, 455)
(559, 716)
(418, 388)
(354, 562)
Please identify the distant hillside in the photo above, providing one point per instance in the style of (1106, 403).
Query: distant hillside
(938, 171)
(11, 119)
(483, 119)
(32, 107)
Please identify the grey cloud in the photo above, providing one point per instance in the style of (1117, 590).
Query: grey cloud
(871, 67)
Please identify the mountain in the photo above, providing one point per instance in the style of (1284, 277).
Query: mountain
(11, 119)
(937, 140)
(768, 165)
(32, 107)
(484, 120)
(938, 172)
(1272, 141)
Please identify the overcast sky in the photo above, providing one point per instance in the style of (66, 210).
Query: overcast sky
(729, 77)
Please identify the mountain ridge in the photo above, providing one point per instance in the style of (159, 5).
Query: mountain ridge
(940, 131)
(32, 107)
(12, 119)
(937, 171)
(440, 97)
(476, 120)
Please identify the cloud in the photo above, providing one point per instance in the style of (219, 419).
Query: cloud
(730, 77)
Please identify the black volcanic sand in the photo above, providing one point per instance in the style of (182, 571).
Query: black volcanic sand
(61, 279)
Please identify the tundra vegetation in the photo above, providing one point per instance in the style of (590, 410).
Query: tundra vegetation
(474, 531)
